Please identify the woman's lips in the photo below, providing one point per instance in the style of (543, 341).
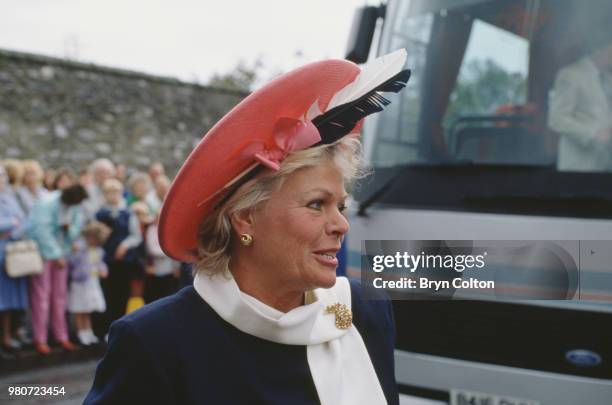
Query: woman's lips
(327, 259)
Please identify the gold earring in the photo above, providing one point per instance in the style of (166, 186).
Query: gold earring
(246, 239)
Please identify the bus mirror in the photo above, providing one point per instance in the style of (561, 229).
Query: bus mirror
(362, 32)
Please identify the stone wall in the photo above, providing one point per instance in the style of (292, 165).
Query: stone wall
(65, 113)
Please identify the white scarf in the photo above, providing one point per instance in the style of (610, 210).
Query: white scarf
(338, 359)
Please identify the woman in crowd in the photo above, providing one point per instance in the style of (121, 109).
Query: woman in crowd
(156, 169)
(85, 178)
(13, 291)
(20, 320)
(139, 185)
(155, 197)
(99, 171)
(14, 171)
(31, 189)
(55, 223)
(49, 176)
(64, 178)
(259, 206)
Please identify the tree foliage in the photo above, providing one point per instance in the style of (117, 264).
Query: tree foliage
(482, 87)
(241, 78)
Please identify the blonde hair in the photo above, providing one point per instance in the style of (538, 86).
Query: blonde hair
(33, 165)
(14, 171)
(96, 230)
(216, 233)
(112, 185)
(139, 177)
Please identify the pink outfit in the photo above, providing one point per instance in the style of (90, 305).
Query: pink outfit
(48, 296)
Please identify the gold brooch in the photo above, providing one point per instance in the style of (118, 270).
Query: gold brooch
(344, 317)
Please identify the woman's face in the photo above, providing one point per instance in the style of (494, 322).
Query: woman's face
(30, 178)
(161, 188)
(64, 181)
(140, 189)
(48, 178)
(299, 230)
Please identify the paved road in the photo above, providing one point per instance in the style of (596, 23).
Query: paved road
(75, 378)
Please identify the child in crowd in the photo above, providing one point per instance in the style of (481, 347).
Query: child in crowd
(125, 236)
(86, 267)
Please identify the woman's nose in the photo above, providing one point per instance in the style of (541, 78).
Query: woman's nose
(337, 223)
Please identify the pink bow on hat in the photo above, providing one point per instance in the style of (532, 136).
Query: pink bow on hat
(290, 135)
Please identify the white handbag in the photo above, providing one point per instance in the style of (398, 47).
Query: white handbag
(23, 259)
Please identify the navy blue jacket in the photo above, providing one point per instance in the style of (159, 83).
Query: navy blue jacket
(120, 226)
(177, 350)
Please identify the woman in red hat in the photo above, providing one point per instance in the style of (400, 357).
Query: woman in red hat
(259, 208)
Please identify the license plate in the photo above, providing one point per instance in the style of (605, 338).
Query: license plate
(463, 397)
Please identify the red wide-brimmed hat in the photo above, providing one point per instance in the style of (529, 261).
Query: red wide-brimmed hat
(317, 103)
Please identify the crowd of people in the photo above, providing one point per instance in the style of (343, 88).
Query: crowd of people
(96, 234)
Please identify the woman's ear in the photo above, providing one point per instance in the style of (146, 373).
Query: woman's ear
(242, 222)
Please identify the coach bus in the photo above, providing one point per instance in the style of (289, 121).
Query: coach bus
(497, 137)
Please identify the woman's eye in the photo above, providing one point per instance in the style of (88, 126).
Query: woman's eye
(342, 208)
(317, 204)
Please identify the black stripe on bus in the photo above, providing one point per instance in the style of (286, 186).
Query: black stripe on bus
(426, 393)
(508, 334)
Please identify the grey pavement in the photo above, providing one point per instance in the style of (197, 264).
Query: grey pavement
(75, 378)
